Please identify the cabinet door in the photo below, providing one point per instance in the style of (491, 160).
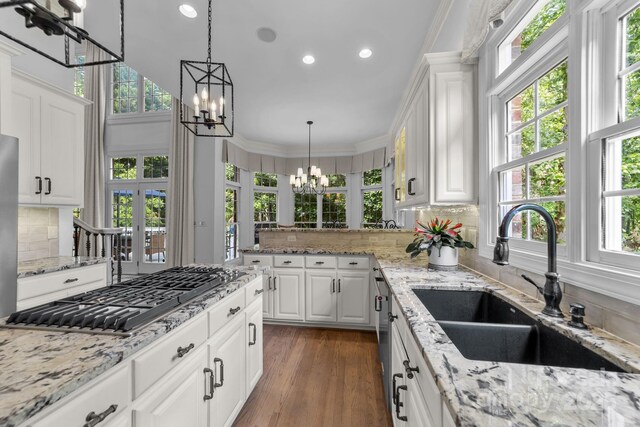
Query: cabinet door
(353, 297)
(267, 297)
(178, 399)
(26, 117)
(398, 395)
(288, 294)
(419, 139)
(62, 150)
(254, 345)
(417, 413)
(227, 359)
(321, 296)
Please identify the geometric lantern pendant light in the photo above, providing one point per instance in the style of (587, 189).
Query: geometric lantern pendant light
(207, 87)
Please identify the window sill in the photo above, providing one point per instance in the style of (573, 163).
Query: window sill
(607, 280)
(132, 118)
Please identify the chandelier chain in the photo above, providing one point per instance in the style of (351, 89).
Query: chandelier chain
(209, 34)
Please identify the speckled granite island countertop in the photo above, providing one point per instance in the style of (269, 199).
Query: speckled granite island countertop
(39, 368)
(480, 393)
(53, 264)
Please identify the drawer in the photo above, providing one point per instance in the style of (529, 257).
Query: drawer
(225, 310)
(288, 261)
(153, 364)
(320, 261)
(43, 284)
(98, 396)
(353, 263)
(258, 260)
(254, 290)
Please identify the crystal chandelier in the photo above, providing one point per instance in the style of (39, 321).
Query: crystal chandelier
(312, 182)
(213, 95)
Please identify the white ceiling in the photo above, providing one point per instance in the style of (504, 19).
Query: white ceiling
(351, 100)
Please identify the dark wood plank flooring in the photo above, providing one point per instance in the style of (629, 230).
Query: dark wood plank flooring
(317, 377)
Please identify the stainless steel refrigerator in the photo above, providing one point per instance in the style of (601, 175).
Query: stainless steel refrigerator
(8, 224)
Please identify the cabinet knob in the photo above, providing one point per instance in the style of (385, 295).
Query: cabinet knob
(94, 419)
(233, 311)
(184, 350)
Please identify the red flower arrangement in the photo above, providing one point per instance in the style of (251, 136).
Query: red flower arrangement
(436, 233)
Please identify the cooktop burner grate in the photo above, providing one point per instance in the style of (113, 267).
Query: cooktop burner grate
(126, 306)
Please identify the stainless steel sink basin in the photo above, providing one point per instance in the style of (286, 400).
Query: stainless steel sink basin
(484, 327)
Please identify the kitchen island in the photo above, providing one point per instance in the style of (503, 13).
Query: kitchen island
(38, 368)
(478, 393)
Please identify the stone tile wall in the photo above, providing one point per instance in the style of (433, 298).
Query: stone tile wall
(37, 233)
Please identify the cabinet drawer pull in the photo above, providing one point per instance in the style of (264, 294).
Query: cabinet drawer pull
(319, 262)
(221, 383)
(256, 261)
(397, 194)
(339, 285)
(255, 333)
(94, 419)
(269, 280)
(394, 390)
(333, 286)
(184, 350)
(49, 187)
(399, 404)
(287, 262)
(353, 263)
(209, 372)
(274, 284)
(377, 303)
(409, 370)
(233, 311)
(410, 190)
(39, 182)
(71, 280)
(259, 291)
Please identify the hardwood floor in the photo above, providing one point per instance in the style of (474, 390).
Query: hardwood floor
(317, 377)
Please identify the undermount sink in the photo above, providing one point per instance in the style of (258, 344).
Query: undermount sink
(484, 327)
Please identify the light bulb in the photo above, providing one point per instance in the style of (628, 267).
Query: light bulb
(313, 170)
(196, 100)
(304, 178)
(221, 105)
(318, 172)
(204, 96)
(292, 179)
(299, 172)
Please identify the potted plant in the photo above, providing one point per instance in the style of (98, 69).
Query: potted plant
(441, 243)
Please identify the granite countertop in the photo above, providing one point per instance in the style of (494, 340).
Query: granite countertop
(39, 368)
(53, 264)
(334, 230)
(480, 393)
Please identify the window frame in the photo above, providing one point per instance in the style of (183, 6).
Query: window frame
(263, 189)
(319, 198)
(141, 114)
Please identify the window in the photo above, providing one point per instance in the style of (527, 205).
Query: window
(231, 220)
(126, 98)
(305, 214)
(156, 167)
(123, 168)
(371, 198)
(78, 82)
(629, 69)
(334, 210)
(517, 43)
(232, 204)
(535, 140)
(265, 202)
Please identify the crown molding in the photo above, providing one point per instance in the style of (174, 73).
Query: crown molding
(48, 86)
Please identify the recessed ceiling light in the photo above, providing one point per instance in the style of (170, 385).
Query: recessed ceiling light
(308, 59)
(265, 34)
(188, 10)
(365, 53)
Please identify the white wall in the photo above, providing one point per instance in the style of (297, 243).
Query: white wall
(452, 34)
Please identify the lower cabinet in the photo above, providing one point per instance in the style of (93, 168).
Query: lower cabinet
(353, 296)
(288, 294)
(337, 297)
(267, 296)
(255, 345)
(178, 399)
(321, 296)
(227, 359)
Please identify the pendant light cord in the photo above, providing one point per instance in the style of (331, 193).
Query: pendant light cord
(309, 167)
(209, 34)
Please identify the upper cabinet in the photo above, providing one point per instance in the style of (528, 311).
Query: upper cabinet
(50, 126)
(435, 144)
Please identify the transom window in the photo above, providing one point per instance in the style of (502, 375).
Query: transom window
(261, 179)
(534, 27)
(125, 168)
(126, 96)
(535, 140)
(78, 81)
(232, 173)
(156, 167)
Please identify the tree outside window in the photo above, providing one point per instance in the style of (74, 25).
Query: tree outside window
(371, 198)
(305, 214)
(126, 96)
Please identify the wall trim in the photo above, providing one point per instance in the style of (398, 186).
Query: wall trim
(48, 86)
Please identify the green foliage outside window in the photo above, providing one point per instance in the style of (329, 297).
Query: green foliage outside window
(264, 207)
(372, 207)
(231, 173)
(124, 89)
(305, 211)
(155, 98)
(123, 168)
(156, 167)
(337, 180)
(540, 23)
(631, 24)
(265, 179)
(372, 177)
(78, 83)
(334, 209)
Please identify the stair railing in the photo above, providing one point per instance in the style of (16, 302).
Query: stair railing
(109, 237)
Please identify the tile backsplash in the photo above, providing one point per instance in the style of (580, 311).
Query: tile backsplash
(38, 233)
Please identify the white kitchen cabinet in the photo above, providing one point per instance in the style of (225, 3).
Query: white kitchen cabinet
(178, 400)
(50, 128)
(435, 145)
(267, 296)
(227, 360)
(353, 297)
(288, 293)
(321, 296)
(255, 345)
(398, 396)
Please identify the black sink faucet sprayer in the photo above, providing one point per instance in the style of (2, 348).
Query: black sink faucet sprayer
(551, 290)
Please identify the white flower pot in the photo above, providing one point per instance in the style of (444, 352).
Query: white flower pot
(446, 259)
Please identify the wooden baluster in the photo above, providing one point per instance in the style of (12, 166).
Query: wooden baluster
(95, 245)
(103, 253)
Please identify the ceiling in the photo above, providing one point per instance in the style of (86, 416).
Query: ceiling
(351, 100)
